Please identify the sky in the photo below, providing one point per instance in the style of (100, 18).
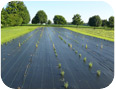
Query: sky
(69, 8)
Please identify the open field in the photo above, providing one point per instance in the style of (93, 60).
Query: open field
(51, 57)
(99, 33)
(9, 33)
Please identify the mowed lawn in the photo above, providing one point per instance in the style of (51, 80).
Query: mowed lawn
(99, 33)
(9, 33)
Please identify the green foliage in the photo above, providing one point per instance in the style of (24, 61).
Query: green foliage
(58, 19)
(98, 72)
(111, 22)
(62, 73)
(15, 20)
(95, 21)
(49, 22)
(59, 65)
(66, 85)
(104, 23)
(77, 20)
(17, 13)
(84, 59)
(40, 17)
(90, 65)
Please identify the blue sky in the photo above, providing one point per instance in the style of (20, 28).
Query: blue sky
(68, 8)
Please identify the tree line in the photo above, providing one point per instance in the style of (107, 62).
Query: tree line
(16, 13)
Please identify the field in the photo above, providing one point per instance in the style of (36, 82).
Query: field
(10, 33)
(57, 58)
(98, 33)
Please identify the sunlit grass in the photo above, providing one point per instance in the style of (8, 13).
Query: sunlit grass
(99, 33)
(10, 33)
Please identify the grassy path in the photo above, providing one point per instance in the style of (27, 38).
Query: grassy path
(10, 33)
(98, 33)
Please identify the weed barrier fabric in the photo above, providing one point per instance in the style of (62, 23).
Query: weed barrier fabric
(41, 65)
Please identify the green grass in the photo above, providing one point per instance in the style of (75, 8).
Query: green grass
(98, 33)
(10, 33)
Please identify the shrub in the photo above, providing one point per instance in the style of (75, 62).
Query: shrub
(98, 72)
(90, 64)
(84, 59)
(59, 65)
(79, 55)
(66, 85)
(62, 73)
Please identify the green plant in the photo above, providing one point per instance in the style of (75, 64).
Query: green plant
(84, 59)
(56, 54)
(73, 49)
(59, 65)
(54, 51)
(64, 41)
(101, 46)
(98, 72)
(86, 46)
(36, 45)
(79, 55)
(62, 73)
(66, 85)
(76, 52)
(19, 44)
(90, 64)
(69, 44)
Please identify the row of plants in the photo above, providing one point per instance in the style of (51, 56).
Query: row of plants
(30, 61)
(62, 73)
(90, 63)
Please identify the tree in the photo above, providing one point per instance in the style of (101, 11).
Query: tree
(95, 21)
(111, 22)
(40, 17)
(104, 23)
(15, 20)
(18, 7)
(4, 17)
(49, 22)
(58, 19)
(76, 20)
